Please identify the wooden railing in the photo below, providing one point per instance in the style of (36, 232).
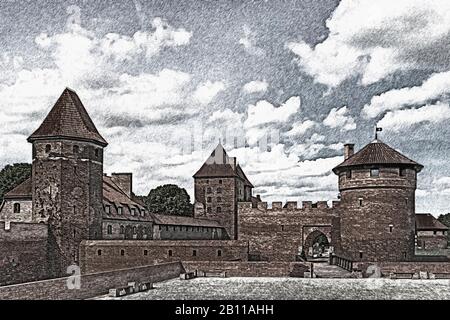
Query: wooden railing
(341, 262)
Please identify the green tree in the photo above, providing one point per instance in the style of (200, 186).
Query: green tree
(13, 175)
(445, 219)
(169, 199)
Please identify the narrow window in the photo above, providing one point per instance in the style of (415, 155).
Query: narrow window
(282, 227)
(208, 190)
(360, 254)
(133, 211)
(109, 229)
(48, 148)
(219, 199)
(348, 174)
(76, 149)
(96, 153)
(434, 232)
(219, 190)
(208, 209)
(160, 228)
(170, 253)
(208, 199)
(167, 228)
(194, 253)
(220, 181)
(404, 255)
(122, 229)
(375, 172)
(122, 252)
(119, 210)
(134, 230)
(406, 201)
(314, 205)
(108, 209)
(219, 253)
(207, 180)
(16, 207)
(360, 200)
(391, 227)
(219, 210)
(99, 252)
(145, 252)
(143, 213)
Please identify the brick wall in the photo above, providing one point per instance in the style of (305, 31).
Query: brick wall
(92, 285)
(174, 232)
(278, 233)
(23, 253)
(99, 256)
(249, 269)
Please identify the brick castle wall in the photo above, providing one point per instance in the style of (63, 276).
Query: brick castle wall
(105, 255)
(23, 253)
(92, 285)
(279, 233)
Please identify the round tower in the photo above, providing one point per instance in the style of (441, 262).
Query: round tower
(377, 210)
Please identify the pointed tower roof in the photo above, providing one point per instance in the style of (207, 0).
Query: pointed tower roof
(68, 119)
(219, 164)
(377, 153)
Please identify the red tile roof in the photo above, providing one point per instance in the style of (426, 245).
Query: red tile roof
(377, 153)
(68, 119)
(22, 191)
(426, 222)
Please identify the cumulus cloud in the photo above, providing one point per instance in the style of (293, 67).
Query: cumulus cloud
(255, 86)
(399, 120)
(299, 128)
(338, 118)
(206, 92)
(435, 87)
(373, 39)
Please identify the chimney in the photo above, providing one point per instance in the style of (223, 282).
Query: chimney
(124, 181)
(349, 150)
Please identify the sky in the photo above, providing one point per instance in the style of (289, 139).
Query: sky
(282, 84)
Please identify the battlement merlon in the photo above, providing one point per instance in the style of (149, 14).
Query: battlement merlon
(290, 205)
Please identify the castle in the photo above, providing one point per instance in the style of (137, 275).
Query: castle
(70, 213)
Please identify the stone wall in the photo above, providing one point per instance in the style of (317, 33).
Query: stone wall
(91, 285)
(105, 255)
(427, 240)
(278, 233)
(7, 210)
(406, 267)
(23, 252)
(174, 232)
(249, 269)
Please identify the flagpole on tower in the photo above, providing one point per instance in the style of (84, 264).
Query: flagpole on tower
(376, 132)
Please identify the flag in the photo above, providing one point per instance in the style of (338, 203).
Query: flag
(379, 129)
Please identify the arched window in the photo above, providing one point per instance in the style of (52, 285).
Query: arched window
(48, 148)
(16, 207)
(76, 149)
(99, 252)
(219, 253)
(122, 229)
(109, 229)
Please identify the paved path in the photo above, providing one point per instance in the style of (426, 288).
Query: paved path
(325, 270)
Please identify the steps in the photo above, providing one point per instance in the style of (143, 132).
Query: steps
(325, 270)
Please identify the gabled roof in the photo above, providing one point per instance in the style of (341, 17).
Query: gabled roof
(21, 191)
(426, 222)
(68, 119)
(379, 153)
(220, 165)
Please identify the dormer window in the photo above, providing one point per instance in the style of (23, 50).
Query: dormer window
(119, 210)
(142, 213)
(375, 172)
(108, 209)
(133, 211)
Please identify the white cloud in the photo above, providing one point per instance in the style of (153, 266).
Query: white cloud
(435, 87)
(255, 86)
(299, 128)
(206, 92)
(338, 118)
(401, 119)
(263, 112)
(374, 39)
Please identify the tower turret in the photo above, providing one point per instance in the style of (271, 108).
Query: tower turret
(67, 173)
(377, 210)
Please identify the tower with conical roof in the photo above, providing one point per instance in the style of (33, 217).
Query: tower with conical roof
(377, 210)
(67, 173)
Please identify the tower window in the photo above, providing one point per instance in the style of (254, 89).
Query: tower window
(99, 252)
(145, 252)
(406, 201)
(360, 254)
(348, 174)
(109, 229)
(282, 227)
(194, 253)
(16, 207)
(219, 190)
(208, 190)
(208, 199)
(391, 228)
(134, 230)
(218, 209)
(170, 253)
(220, 181)
(219, 253)
(122, 229)
(375, 172)
(122, 252)
(207, 180)
(96, 153)
(48, 148)
(360, 200)
(76, 149)
(208, 209)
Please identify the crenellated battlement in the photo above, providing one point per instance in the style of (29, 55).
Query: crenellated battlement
(290, 206)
